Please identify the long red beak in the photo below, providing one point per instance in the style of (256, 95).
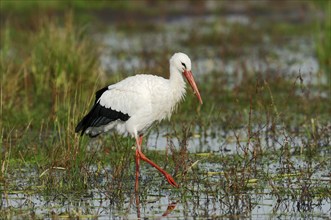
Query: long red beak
(190, 79)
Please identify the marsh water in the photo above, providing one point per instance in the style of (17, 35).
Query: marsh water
(258, 50)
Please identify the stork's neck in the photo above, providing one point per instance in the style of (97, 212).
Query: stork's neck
(177, 83)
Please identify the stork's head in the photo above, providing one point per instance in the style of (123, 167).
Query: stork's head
(183, 64)
(181, 61)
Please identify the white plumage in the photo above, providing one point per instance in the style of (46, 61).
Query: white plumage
(145, 98)
(135, 103)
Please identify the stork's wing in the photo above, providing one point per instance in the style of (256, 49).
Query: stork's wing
(116, 102)
(100, 115)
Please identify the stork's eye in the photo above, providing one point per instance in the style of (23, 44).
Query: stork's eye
(184, 65)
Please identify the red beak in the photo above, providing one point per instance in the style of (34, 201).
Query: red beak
(190, 79)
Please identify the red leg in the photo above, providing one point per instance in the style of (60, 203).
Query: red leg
(137, 205)
(137, 171)
(140, 155)
(139, 142)
(169, 178)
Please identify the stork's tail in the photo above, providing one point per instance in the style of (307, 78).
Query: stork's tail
(98, 117)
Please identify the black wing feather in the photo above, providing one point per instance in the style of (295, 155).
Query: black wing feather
(99, 115)
(99, 93)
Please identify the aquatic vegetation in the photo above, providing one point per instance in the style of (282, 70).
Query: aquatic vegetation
(259, 145)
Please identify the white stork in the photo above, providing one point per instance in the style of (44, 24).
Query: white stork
(132, 105)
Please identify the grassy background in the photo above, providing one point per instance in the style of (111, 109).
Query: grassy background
(50, 67)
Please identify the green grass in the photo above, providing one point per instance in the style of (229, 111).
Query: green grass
(43, 91)
(48, 74)
(48, 84)
(20, 6)
(323, 36)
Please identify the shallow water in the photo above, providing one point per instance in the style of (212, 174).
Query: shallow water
(197, 201)
(126, 53)
(288, 58)
(131, 52)
(204, 197)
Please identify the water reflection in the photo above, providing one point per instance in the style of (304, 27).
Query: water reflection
(169, 208)
(201, 202)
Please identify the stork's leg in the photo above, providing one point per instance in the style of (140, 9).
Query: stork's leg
(139, 141)
(169, 178)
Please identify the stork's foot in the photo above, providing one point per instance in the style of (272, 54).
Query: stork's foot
(169, 178)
